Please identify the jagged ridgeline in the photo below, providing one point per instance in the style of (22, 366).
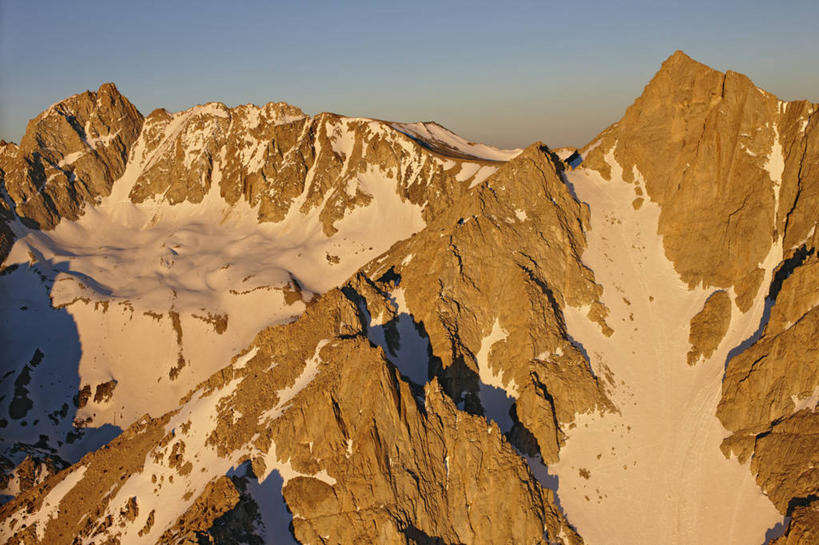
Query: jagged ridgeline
(251, 325)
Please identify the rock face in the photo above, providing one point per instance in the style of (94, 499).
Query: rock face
(709, 326)
(6, 239)
(222, 221)
(734, 166)
(70, 155)
(491, 325)
(770, 391)
(8, 156)
(727, 162)
(348, 330)
(397, 469)
(276, 157)
(803, 528)
(29, 473)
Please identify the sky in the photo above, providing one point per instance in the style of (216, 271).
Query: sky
(502, 73)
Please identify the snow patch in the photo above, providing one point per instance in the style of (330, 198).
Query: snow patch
(468, 170)
(775, 165)
(122, 268)
(49, 509)
(496, 397)
(807, 402)
(242, 361)
(488, 376)
(306, 377)
(483, 173)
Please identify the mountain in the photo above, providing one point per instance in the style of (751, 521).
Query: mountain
(249, 325)
(730, 172)
(223, 221)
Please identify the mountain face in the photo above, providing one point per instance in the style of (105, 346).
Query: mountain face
(70, 155)
(223, 222)
(250, 325)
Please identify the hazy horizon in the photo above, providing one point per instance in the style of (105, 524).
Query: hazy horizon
(506, 77)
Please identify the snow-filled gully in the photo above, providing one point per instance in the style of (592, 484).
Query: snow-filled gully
(653, 473)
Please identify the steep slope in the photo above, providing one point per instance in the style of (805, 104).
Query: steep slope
(726, 162)
(724, 174)
(407, 465)
(223, 221)
(70, 155)
(381, 333)
(652, 472)
(770, 394)
(477, 298)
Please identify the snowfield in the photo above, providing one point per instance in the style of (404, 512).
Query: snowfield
(653, 473)
(149, 299)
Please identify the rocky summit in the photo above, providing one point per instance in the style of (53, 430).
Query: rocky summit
(252, 325)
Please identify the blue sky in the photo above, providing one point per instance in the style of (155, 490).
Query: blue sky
(497, 72)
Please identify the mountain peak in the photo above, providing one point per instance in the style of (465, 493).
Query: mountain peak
(79, 144)
(699, 138)
(109, 91)
(108, 87)
(350, 330)
(680, 57)
(88, 100)
(678, 74)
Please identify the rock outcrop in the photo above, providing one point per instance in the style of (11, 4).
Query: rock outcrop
(804, 526)
(276, 157)
(409, 466)
(29, 473)
(709, 326)
(214, 223)
(70, 155)
(770, 392)
(733, 170)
